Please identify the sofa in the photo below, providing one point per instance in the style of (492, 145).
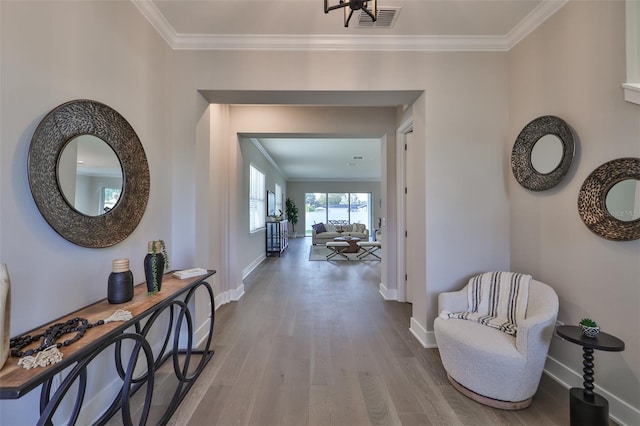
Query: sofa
(321, 233)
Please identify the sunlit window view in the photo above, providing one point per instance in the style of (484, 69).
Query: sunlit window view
(347, 207)
(109, 198)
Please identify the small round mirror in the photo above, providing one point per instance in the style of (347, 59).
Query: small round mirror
(547, 154)
(623, 200)
(90, 175)
(542, 153)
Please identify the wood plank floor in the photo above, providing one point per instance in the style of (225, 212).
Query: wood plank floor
(313, 343)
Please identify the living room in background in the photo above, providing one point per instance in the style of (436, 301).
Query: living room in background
(257, 199)
(350, 207)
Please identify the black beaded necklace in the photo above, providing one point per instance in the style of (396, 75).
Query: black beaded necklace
(50, 336)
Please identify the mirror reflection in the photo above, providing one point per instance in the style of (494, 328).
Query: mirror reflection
(90, 175)
(546, 154)
(623, 200)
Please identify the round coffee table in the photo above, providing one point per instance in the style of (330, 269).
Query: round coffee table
(353, 244)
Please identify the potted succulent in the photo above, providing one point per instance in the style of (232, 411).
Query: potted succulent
(292, 216)
(589, 327)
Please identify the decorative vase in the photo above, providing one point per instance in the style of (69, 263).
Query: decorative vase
(590, 331)
(154, 260)
(120, 283)
(5, 313)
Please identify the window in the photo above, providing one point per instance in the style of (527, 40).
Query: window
(632, 86)
(257, 195)
(338, 206)
(352, 207)
(279, 209)
(108, 198)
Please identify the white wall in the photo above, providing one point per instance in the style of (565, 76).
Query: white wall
(461, 124)
(56, 51)
(277, 120)
(53, 52)
(572, 67)
(253, 244)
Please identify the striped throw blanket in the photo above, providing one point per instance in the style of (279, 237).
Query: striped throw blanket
(496, 299)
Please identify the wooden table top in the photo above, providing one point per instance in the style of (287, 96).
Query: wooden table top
(16, 381)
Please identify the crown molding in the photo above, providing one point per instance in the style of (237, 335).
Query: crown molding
(157, 20)
(305, 42)
(301, 42)
(333, 180)
(533, 20)
(267, 156)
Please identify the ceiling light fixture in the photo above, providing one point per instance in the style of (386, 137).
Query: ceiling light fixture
(351, 5)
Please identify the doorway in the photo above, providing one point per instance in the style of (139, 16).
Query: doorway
(406, 212)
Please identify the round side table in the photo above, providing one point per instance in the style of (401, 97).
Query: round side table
(587, 407)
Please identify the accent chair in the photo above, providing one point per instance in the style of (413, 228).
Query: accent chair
(488, 365)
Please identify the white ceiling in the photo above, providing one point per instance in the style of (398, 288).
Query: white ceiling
(325, 159)
(303, 25)
(420, 25)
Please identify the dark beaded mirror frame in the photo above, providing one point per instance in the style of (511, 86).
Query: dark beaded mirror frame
(521, 164)
(57, 128)
(592, 200)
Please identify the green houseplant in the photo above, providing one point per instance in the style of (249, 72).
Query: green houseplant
(292, 216)
(589, 327)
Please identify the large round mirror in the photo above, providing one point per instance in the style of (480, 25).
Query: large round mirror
(90, 175)
(542, 153)
(609, 200)
(109, 208)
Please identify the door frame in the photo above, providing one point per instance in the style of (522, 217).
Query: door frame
(401, 176)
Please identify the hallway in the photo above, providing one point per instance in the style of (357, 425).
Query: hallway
(314, 343)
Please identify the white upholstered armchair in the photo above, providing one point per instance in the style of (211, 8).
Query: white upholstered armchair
(488, 365)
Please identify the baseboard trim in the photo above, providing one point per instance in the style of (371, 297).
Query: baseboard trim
(388, 294)
(620, 411)
(94, 407)
(229, 296)
(426, 338)
(237, 293)
(253, 265)
(202, 332)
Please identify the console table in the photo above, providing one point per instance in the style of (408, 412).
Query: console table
(135, 361)
(277, 237)
(587, 407)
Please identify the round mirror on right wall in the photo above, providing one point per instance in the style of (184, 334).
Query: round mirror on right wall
(542, 153)
(609, 200)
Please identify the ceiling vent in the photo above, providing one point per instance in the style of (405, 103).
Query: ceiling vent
(386, 18)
